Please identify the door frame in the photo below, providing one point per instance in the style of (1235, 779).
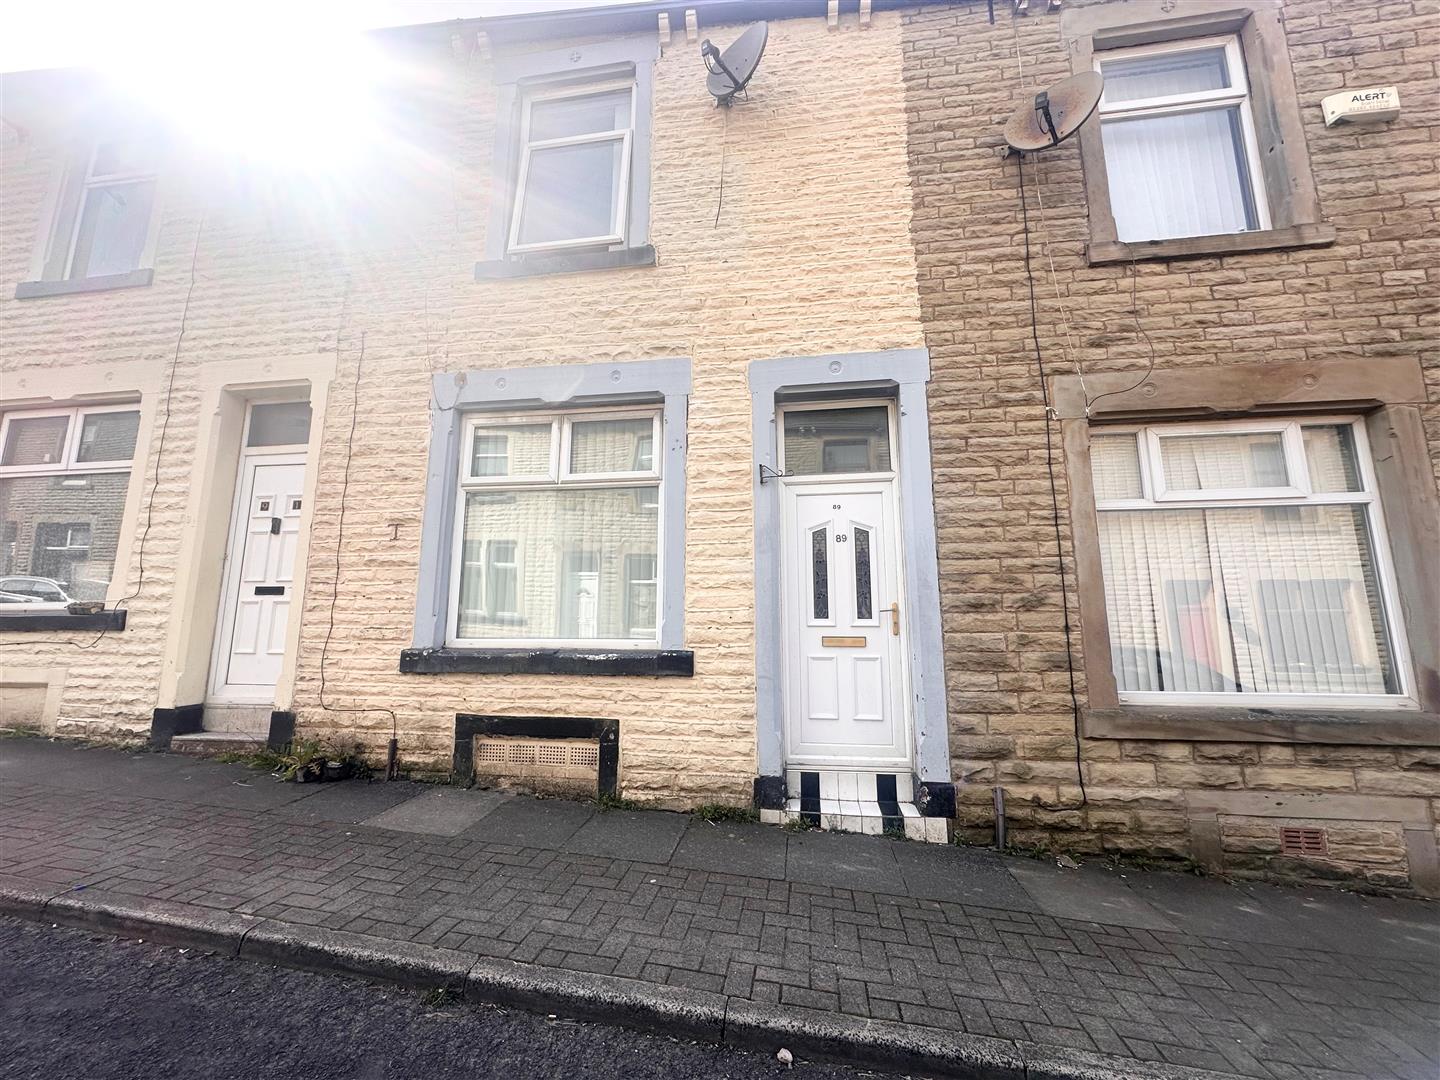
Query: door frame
(250, 458)
(887, 485)
(901, 375)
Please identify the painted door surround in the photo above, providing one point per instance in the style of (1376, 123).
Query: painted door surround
(259, 580)
(900, 375)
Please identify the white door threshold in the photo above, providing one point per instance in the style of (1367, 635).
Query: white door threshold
(844, 815)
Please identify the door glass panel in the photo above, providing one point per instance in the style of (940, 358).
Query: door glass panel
(863, 602)
(820, 572)
(35, 440)
(280, 423)
(108, 436)
(837, 440)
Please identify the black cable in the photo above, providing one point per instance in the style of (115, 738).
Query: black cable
(1139, 329)
(720, 200)
(339, 546)
(1054, 498)
(159, 456)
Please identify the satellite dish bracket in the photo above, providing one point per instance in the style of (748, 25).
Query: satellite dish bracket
(714, 61)
(1042, 107)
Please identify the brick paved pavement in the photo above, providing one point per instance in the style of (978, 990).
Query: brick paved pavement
(1261, 982)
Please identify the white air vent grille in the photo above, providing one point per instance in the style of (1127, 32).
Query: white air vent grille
(510, 758)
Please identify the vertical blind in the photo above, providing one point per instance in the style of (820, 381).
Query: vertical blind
(1278, 597)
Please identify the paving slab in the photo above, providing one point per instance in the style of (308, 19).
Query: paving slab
(732, 848)
(1345, 922)
(438, 811)
(637, 835)
(845, 861)
(960, 875)
(533, 823)
(348, 802)
(1090, 894)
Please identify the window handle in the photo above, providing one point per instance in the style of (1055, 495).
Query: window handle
(895, 618)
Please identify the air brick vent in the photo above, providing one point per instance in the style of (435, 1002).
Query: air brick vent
(546, 761)
(1299, 840)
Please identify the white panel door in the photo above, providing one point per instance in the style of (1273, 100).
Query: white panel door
(255, 609)
(844, 698)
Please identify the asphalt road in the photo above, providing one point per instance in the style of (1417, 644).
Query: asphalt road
(86, 1005)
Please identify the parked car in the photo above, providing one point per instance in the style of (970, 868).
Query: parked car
(43, 594)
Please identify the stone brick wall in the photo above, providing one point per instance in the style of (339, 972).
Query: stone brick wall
(1372, 294)
(810, 253)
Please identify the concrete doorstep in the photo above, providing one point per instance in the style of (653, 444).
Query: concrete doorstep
(671, 1011)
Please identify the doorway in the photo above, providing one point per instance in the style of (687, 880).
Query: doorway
(258, 586)
(842, 589)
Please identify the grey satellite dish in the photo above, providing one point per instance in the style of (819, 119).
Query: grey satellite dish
(731, 70)
(1055, 113)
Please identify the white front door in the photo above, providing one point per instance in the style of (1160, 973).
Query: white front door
(259, 579)
(841, 582)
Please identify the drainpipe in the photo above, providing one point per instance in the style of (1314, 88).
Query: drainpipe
(999, 818)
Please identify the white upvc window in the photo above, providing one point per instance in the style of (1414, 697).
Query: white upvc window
(557, 530)
(1245, 563)
(573, 186)
(64, 477)
(1181, 155)
(111, 226)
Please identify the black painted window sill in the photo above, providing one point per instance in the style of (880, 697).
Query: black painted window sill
(113, 619)
(657, 662)
(1101, 252)
(564, 263)
(30, 290)
(1336, 727)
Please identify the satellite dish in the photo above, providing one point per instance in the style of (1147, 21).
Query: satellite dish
(731, 70)
(1055, 113)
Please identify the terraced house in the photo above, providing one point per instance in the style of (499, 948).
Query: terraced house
(573, 418)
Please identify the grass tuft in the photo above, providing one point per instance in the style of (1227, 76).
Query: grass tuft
(718, 812)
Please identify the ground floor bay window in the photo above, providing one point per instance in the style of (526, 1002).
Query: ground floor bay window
(1245, 563)
(557, 530)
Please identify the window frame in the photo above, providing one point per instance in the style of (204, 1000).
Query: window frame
(68, 462)
(620, 208)
(1236, 95)
(69, 465)
(560, 477)
(1368, 496)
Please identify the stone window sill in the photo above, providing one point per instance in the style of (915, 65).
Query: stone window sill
(654, 662)
(1101, 252)
(1340, 727)
(30, 290)
(114, 619)
(564, 263)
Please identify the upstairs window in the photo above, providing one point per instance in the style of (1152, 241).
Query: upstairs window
(1179, 140)
(1245, 563)
(573, 186)
(64, 476)
(112, 220)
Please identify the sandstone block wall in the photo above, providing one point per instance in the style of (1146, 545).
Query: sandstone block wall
(1374, 293)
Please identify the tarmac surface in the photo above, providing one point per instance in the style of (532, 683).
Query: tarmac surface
(81, 1004)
